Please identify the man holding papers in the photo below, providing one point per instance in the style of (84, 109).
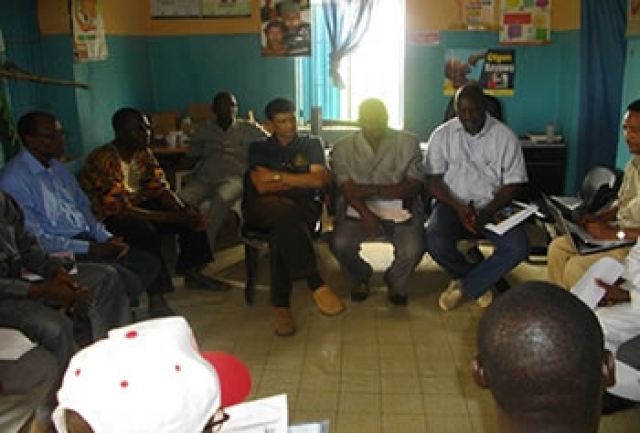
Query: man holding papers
(621, 221)
(474, 169)
(380, 176)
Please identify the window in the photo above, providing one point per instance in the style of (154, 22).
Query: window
(376, 69)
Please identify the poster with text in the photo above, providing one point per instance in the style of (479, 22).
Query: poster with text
(478, 14)
(633, 18)
(493, 69)
(525, 21)
(175, 8)
(89, 43)
(286, 28)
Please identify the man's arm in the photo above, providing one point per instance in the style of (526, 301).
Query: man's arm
(502, 198)
(266, 180)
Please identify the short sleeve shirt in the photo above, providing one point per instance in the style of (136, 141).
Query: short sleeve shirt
(474, 168)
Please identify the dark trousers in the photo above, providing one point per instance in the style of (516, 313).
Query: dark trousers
(194, 251)
(289, 224)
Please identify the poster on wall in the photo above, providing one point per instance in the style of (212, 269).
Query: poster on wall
(477, 14)
(286, 28)
(226, 8)
(525, 21)
(175, 8)
(493, 69)
(633, 18)
(89, 43)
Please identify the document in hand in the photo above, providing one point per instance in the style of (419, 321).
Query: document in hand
(268, 414)
(27, 275)
(392, 210)
(606, 269)
(516, 214)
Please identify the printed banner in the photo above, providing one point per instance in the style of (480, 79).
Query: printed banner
(525, 22)
(633, 18)
(493, 69)
(226, 8)
(286, 28)
(89, 43)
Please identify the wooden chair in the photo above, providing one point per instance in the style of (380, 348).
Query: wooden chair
(165, 122)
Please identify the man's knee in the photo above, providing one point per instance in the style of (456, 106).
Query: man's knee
(629, 352)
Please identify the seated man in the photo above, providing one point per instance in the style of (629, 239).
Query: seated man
(286, 173)
(150, 377)
(541, 355)
(40, 309)
(474, 168)
(379, 166)
(57, 211)
(565, 265)
(27, 384)
(220, 150)
(130, 195)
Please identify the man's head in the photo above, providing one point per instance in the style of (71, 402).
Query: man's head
(290, 13)
(281, 115)
(42, 134)
(373, 118)
(470, 106)
(225, 108)
(148, 376)
(631, 127)
(274, 34)
(540, 353)
(132, 128)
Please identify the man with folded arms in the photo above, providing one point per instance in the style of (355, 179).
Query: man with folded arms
(378, 167)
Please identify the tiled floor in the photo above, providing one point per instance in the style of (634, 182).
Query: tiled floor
(376, 368)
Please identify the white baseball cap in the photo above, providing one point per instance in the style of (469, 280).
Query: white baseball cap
(150, 377)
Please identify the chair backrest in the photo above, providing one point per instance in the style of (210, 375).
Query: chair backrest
(165, 122)
(599, 188)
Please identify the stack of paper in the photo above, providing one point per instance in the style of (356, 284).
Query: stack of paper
(522, 211)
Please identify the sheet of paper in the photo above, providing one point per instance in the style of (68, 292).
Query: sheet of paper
(627, 382)
(606, 269)
(34, 278)
(524, 212)
(268, 414)
(391, 210)
(14, 344)
(310, 427)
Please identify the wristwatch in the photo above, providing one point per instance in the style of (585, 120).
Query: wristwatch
(277, 177)
(621, 234)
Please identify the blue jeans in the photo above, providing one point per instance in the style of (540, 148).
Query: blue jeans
(443, 233)
(407, 239)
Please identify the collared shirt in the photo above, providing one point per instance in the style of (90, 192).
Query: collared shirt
(631, 274)
(55, 207)
(628, 202)
(397, 159)
(18, 246)
(475, 167)
(104, 168)
(223, 154)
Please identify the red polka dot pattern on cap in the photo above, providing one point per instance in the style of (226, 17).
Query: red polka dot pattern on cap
(78, 372)
(124, 384)
(178, 367)
(131, 334)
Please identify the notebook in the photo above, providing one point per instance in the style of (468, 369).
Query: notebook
(582, 241)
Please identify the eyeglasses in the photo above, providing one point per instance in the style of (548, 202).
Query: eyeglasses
(215, 423)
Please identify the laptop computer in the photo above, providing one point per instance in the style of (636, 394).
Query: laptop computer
(583, 242)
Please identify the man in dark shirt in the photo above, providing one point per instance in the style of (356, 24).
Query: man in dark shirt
(286, 172)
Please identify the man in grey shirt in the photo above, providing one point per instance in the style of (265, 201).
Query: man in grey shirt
(219, 151)
(380, 175)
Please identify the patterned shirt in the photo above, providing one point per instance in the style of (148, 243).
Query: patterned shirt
(105, 171)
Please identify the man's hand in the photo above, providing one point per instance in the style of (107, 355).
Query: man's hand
(614, 294)
(112, 250)
(601, 230)
(63, 291)
(192, 218)
(467, 216)
(354, 191)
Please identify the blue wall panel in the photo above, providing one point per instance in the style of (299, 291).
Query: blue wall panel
(189, 69)
(630, 92)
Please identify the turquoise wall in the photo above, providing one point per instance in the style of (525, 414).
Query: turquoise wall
(630, 92)
(189, 69)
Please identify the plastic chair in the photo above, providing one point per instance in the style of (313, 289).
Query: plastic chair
(598, 190)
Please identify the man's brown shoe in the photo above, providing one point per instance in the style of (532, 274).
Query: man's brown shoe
(327, 301)
(284, 324)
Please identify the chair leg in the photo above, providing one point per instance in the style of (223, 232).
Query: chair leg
(251, 266)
